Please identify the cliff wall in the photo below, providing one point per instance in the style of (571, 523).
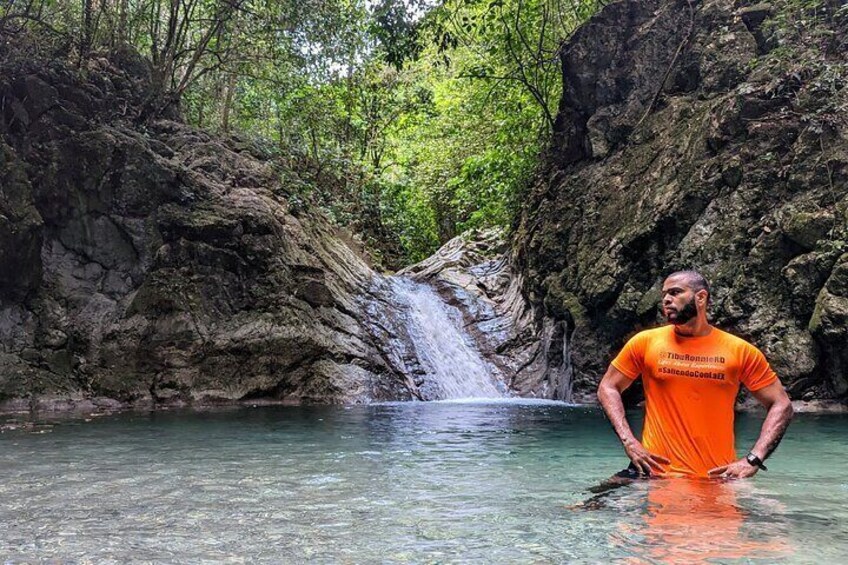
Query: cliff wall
(708, 135)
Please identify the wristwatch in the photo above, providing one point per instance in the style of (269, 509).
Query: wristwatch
(755, 461)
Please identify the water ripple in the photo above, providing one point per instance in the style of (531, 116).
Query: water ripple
(443, 482)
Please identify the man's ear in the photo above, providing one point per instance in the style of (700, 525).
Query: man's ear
(702, 297)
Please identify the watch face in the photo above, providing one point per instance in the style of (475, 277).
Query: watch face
(755, 461)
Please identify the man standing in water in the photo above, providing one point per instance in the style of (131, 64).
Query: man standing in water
(691, 372)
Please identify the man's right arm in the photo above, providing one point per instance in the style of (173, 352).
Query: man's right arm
(609, 395)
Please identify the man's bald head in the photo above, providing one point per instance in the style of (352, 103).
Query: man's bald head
(694, 280)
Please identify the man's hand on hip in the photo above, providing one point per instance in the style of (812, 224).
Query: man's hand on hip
(645, 461)
(739, 469)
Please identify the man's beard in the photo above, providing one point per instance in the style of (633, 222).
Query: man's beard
(685, 314)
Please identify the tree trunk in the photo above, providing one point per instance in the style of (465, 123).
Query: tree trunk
(87, 32)
(123, 18)
(229, 91)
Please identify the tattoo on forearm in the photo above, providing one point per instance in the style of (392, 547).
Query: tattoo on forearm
(773, 429)
(775, 441)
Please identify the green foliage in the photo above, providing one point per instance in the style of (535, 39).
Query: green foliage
(395, 30)
(407, 120)
(490, 78)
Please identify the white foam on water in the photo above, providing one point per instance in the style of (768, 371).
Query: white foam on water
(512, 401)
(508, 400)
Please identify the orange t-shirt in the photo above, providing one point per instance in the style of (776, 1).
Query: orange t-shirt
(691, 385)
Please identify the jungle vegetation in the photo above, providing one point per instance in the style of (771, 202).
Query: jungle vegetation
(408, 121)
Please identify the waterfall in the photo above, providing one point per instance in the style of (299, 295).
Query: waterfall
(452, 364)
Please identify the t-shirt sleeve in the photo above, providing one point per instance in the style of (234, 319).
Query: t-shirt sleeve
(756, 371)
(631, 359)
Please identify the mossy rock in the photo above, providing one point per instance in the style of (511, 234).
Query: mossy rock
(808, 228)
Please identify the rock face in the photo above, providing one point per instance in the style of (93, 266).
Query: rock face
(153, 263)
(683, 142)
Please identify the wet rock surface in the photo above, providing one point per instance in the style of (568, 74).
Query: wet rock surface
(681, 144)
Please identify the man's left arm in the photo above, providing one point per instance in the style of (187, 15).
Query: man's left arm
(779, 413)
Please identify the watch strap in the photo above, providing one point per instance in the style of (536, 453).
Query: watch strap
(755, 461)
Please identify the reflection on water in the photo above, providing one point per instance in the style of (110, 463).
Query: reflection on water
(399, 483)
(703, 521)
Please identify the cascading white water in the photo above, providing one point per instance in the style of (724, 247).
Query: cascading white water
(454, 367)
